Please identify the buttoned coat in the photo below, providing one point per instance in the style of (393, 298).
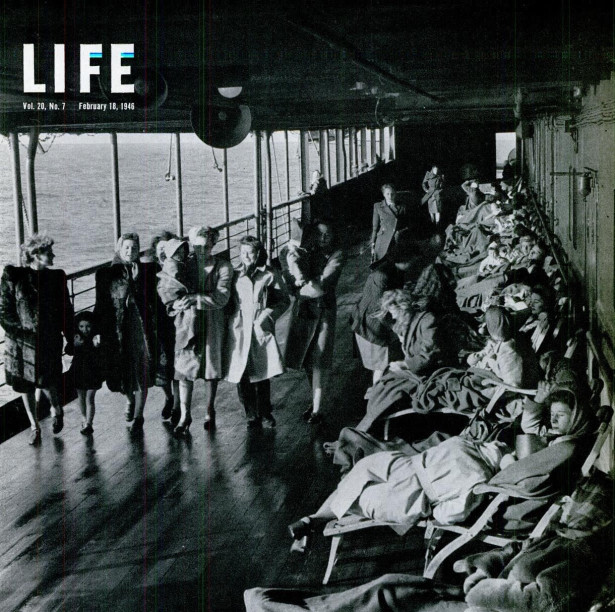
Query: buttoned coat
(258, 301)
(385, 225)
(214, 282)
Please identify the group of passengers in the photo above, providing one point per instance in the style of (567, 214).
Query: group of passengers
(426, 352)
(184, 315)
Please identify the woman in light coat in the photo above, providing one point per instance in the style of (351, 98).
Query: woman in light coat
(259, 299)
(212, 277)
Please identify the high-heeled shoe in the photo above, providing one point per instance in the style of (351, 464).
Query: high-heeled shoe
(209, 424)
(176, 416)
(167, 410)
(182, 428)
(302, 532)
(136, 427)
(129, 412)
(57, 423)
(35, 437)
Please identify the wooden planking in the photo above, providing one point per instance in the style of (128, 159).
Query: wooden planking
(164, 523)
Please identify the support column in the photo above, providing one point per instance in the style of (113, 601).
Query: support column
(115, 181)
(352, 146)
(340, 156)
(287, 165)
(178, 187)
(269, 202)
(328, 177)
(227, 217)
(373, 148)
(31, 184)
(363, 160)
(258, 182)
(305, 161)
(17, 193)
(324, 152)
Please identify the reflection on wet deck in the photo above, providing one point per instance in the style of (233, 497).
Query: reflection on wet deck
(172, 524)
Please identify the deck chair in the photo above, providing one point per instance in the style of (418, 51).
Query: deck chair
(478, 531)
(336, 529)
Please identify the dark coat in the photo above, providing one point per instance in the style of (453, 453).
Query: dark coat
(385, 225)
(373, 329)
(114, 287)
(35, 310)
(311, 330)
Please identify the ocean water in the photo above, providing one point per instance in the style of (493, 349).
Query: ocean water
(74, 190)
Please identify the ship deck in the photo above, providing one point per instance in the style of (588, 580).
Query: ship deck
(161, 523)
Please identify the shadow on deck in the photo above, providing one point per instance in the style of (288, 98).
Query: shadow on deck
(178, 524)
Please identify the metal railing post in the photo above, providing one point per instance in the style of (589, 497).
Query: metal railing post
(31, 182)
(17, 194)
(227, 215)
(115, 182)
(381, 136)
(324, 151)
(178, 187)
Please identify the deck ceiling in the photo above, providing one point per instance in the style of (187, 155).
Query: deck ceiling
(319, 64)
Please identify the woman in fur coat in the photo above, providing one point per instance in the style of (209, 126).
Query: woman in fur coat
(35, 310)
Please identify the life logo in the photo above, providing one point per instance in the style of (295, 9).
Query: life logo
(120, 53)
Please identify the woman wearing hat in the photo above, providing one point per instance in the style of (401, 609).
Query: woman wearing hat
(126, 309)
(211, 278)
(35, 311)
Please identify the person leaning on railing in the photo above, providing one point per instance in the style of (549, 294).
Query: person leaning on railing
(35, 310)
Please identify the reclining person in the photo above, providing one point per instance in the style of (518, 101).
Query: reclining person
(561, 570)
(512, 362)
(445, 480)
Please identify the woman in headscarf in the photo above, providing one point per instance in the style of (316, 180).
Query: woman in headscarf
(35, 311)
(449, 480)
(126, 310)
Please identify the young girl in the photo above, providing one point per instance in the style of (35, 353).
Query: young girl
(86, 369)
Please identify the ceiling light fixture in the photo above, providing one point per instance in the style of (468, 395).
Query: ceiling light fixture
(230, 92)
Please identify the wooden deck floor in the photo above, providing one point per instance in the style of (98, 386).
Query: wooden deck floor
(112, 523)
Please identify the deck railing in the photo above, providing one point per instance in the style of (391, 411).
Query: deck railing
(82, 283)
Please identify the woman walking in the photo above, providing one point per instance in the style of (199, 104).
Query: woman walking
(260, 297)
(312, 326)
(126, 307)
(35, 310)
